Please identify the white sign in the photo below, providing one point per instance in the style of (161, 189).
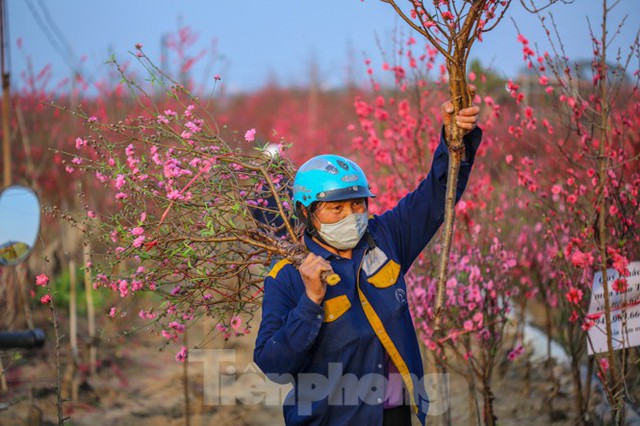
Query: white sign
(625, 311)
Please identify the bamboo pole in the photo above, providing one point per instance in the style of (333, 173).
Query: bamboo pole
(91, 315)
(73, 326)
(73, 308)
(21, 272)
(7, 285)
(185, 381)
(3, 379)
(6, 96)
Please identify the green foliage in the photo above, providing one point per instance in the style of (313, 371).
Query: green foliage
(61, 286)
(487, 81)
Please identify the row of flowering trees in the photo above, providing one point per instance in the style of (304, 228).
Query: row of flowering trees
(172, 199)
(400, 127)
(591, 219)
(117, 174)
(552, 199)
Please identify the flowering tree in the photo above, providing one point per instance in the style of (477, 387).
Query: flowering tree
(195, 219)
(398, 126)
(590, 214)
(452, 27)
(66, 172)
(186, 208)
(51, 145)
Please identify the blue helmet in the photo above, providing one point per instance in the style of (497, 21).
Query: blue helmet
(329, 178)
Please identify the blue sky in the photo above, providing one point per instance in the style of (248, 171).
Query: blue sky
(261, 39)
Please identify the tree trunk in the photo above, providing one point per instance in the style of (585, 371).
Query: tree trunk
(473, 401)
(615, 383)
(487, 395)
(460, 98)
(577, 390)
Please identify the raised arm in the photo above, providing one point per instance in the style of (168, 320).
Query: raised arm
(417, 217)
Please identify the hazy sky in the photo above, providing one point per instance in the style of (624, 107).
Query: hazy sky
(257, 39)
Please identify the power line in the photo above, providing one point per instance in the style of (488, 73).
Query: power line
(53, 34)
(56, 30)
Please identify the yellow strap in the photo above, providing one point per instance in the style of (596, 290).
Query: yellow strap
(276, 268)
(391, 349)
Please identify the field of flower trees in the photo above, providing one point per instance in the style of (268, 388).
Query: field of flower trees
(153, 242)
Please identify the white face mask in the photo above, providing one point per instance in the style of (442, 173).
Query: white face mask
(345, 234)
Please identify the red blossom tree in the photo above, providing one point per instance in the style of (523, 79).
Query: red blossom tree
(452, 27)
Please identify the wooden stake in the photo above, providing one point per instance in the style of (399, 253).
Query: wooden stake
(91, 314)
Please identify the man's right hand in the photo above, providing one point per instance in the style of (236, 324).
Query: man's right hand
(467, 119)
(310, 271)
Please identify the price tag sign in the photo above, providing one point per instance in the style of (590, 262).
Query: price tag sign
(625, 311)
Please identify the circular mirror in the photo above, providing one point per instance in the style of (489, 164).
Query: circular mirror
(19, 224)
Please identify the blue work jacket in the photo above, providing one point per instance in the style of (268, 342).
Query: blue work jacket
(335, 353)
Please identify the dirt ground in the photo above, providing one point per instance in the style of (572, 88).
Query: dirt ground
(138, 385)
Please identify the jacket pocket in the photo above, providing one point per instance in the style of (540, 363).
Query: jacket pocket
(335, 307)
(338, 331)
(386, 276)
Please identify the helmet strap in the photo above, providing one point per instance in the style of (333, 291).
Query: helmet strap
(308, 223)
(313, 232)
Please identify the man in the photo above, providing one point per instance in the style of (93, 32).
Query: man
(350, 349)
